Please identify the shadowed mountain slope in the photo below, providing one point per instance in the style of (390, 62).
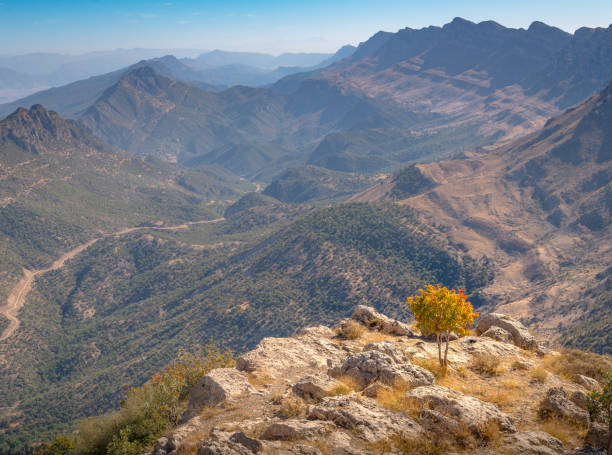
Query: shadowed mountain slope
(540, 208)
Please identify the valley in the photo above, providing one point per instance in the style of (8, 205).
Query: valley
(160, 205)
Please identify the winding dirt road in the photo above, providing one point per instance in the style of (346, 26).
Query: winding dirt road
(18, 295)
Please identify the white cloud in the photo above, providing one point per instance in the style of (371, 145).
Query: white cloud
(196, 13)
(183, 22)
(148, 15)
(168, 4)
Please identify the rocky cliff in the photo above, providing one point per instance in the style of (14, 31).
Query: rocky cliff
(370, 385)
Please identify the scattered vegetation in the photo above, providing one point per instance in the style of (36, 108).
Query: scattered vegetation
(351, 330)
(147, 411)
(573, 361)
(442, 311)
(484, 363)
(292, 406)
(539, 375)
(600, 406)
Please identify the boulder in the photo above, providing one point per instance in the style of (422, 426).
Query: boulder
(580, 399)
(520, 335)
(364, 417)
(223, 448)
(288, 358)
(532, 443)
(216, 387)
(292, 429)
(468, 410)
(597, 436)
(250, 443)
(372, 319)
(557, 404)
(485, 345)
(586, 382)
(316, 386)
(498, 334)
(437, 423)
(370, 366)
(373, 390)
(389, 348)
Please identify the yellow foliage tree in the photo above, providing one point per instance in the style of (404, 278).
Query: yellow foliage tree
(442, 311)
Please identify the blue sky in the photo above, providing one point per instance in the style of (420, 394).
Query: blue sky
(270, 26)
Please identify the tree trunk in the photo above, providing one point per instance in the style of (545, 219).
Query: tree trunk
(609, 433)
(439, 339)
(446, 349)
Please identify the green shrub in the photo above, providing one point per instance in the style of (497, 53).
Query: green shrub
(147, 411)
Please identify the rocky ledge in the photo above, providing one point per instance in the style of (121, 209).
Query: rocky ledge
(377, 389)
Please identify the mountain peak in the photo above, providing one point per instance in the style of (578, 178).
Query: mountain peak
(38, 129)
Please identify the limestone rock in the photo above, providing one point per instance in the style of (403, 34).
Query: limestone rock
(533, 443)
(463, 408)
(371, 318)
(315, 386)
(292, 429)
(498, 334)
(365, 417)
(373, 390)
(370, 366)
(580, 399)
(214, 388)
(288, 358)
(223, 448)
(485, 345)
(557, 404)
(520, 335)
(597, 435)
(250, 443)
(586, 382)
(389, 348)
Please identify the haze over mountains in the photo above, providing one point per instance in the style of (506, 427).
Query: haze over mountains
(22, 75)
(189, 206)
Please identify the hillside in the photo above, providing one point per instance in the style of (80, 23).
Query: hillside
(414, 95)
(369, 385)
(60, 187)
(122, 308)
(540, 208)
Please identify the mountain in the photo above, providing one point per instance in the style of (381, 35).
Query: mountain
(369, 384)
(213, 71)
(120, 309)
(145, 112)
(39, 71)
(61, 186)
(541, 209)
(219, 58)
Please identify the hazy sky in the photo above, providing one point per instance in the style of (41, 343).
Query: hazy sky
(271, 26)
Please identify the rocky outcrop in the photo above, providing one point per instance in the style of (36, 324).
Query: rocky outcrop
(597, 435)
(216, 387)
(557, 404)
(312, 350)
(293, 429)
(520, 334)
(498, 334)
(365, 417)
(369, 366)
(372, 319)
(315, 387)
(465, 409)
(532, 443)
(586, 382)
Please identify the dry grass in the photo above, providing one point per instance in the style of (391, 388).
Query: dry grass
(350, 330)
(292, 406)
(539, 375)
(395, 399)
(409, 446)
(350, 383)
(433, 366)
(519, 365)
(374, 337)
(486, 364)
(339, 390)
(259, 379)
(569, 434)
(572, 362)
(499, 396)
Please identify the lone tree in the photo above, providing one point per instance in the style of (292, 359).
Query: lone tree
(601, 405)
(442, 311)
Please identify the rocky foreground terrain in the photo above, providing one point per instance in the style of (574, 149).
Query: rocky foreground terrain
(370, 385)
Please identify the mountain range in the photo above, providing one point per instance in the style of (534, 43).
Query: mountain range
(145, 210)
